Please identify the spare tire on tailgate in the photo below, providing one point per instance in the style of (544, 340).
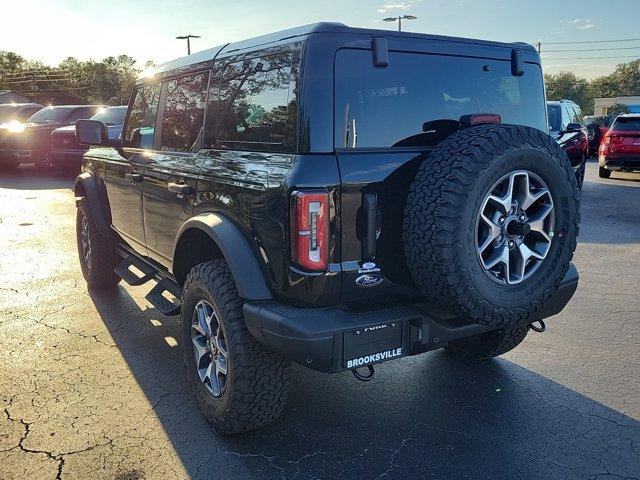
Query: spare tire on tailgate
(491, 222)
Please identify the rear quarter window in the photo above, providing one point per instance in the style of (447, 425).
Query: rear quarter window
(419, 98)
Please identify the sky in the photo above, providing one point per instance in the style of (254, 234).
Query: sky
(146, 29)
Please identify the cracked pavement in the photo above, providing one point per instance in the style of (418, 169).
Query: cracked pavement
(92, 383)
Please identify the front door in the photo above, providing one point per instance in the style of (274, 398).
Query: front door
(171, 174)
(124, 172)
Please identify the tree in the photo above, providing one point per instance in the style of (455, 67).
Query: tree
(618, 109)
(569, 86)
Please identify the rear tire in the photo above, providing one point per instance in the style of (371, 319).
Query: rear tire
(487, 345)
(253, 390)
(45, 163)
(603, 172)
(96, 252)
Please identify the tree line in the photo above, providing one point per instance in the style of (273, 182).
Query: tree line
(107, 81)
(623, 81)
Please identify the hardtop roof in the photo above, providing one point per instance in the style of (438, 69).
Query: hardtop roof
(205, 56)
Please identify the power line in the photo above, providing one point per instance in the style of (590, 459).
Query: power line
(588, 58)
(593, 41)
(592, 49)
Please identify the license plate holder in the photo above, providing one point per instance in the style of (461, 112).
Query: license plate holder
(372, 344)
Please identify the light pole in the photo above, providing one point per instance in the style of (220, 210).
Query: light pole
(399, 19)
(188, 37)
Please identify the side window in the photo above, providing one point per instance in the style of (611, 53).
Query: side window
(184, 113)
(82, 113)
(256, 105)
(577, 115)
(566, 116)
(140, 127)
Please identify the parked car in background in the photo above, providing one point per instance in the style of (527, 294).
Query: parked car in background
(565, 126)
(17, 112)
(66, 151)
(30, 142)
(597, 127)
(620, 148)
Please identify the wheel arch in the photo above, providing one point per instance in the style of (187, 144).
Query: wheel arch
(87, 187)
(210, 236)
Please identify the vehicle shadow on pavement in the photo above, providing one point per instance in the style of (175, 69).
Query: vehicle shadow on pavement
(425, 416)
(27, 177)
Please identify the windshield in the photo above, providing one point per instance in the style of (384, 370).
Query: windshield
(111, 115)
(626, 124)
(50, 115)
(555, 118)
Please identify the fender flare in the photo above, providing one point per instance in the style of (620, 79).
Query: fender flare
(241, 258)
(96, 202)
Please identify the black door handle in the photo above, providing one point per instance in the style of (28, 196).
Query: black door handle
(133, 177)
(179, 188)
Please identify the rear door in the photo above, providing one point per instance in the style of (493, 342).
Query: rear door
(124, 171)
(387, 120)
(172, 169)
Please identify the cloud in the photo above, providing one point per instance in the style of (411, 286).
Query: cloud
(397, 6)
(582, 23)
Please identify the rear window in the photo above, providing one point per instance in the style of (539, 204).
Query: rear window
(419, 98)
(626, 124)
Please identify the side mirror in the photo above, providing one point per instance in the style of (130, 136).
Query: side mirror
(574, 127)
(92, 132)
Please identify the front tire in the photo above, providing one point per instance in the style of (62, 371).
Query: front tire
(603, 172)
(239, 384)
(487, 345)
(96, 252)
(45, 163)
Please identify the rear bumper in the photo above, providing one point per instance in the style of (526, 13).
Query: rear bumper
(623, 163)
(322, 339)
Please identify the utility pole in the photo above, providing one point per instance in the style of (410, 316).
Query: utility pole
(399, 19)
(539, 45)
(188, 39)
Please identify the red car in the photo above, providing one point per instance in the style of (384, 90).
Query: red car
(620, 148)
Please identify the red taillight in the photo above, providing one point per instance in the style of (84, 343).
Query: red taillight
(612, 139)
(479, 119)
(310, 229)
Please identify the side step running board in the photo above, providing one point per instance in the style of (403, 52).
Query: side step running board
(133, 278)
(165, 305)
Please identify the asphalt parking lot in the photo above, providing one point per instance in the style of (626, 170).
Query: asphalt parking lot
(92, 383)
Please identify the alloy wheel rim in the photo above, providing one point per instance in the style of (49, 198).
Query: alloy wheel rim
(515, 227)
(209, 348)
(86, 242)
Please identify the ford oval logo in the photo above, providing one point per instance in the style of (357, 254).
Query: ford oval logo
(369, 280)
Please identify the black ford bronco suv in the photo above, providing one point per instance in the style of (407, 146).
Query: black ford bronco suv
(333, 196)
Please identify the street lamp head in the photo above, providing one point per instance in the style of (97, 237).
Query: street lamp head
(390, 19)
(409, 17)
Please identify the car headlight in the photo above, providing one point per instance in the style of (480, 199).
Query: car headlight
(14, 126)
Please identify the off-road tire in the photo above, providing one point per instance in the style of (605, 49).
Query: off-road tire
(603, 172)
(487, 345)
(439, 231)
(257, 384)
(45, 162)
(98, 272)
